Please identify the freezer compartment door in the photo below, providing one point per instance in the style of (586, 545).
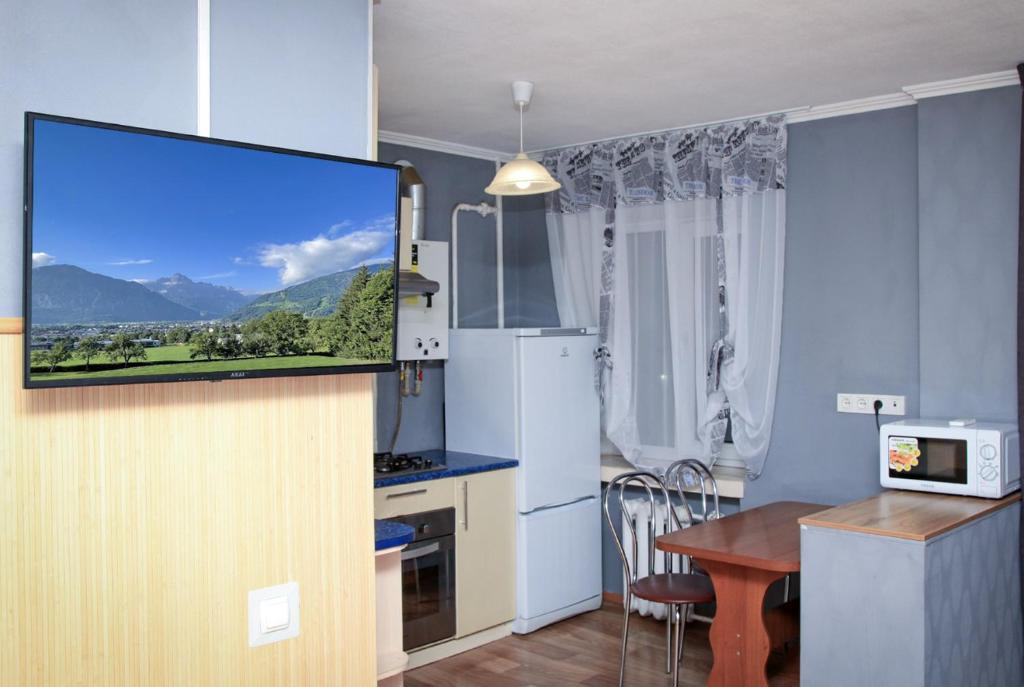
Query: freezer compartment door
(559, 421)
(558, 559)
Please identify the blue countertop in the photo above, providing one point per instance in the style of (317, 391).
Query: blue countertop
(455, 462)
(388, 534)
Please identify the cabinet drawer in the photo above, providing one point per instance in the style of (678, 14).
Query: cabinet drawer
(415, 497)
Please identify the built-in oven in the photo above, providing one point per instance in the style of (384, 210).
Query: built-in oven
(428, 578)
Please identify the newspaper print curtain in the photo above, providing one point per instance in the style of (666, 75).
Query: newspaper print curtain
(673, 245)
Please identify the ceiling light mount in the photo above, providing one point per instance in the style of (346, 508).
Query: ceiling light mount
(522, 93)
(522, 176)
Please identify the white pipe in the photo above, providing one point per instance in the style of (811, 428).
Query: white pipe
(483, 209)
(500, 244)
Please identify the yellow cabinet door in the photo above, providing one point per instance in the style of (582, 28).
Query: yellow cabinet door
(485, 550)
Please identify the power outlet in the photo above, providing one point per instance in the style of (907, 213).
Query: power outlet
(865, 403)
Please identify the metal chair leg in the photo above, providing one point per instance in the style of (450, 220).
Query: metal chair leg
(669, 617)
(625, 637)
(680, 628)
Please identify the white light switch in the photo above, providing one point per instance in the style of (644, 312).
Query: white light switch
(273, 614)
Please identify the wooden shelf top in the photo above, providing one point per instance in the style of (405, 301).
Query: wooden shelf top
(907, 514)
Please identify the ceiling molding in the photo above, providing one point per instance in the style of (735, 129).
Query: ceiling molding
(964, 85)
(848, 107)
(909, 95)
(425, 143)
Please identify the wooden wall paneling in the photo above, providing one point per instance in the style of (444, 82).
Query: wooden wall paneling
(135, 519)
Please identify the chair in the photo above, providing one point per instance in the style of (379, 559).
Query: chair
(675, 475)
(678, 590)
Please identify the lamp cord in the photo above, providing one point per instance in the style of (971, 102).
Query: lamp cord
(520, 126)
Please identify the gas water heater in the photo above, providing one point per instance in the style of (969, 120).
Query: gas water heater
(422, 330)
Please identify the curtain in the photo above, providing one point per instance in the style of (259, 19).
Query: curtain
(672, 244)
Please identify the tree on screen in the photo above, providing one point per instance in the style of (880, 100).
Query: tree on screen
(89, 347)
(124, 348)
(285, 331)
(369, 332)
(59, 352)
(203, 345)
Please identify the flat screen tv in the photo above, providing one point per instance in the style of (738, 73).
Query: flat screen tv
(153, 256)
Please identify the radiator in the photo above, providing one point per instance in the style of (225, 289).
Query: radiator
(639, 510)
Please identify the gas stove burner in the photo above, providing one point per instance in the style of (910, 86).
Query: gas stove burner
(388, 464)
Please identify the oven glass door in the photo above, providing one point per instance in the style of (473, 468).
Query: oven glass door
(428, 592)
(928, 459)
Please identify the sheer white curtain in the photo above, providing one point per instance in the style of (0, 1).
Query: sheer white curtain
(673, 245)
(575, 243)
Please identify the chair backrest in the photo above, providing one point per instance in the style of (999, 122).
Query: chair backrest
(676, 475)
(656, 492)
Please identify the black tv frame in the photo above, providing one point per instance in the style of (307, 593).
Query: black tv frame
(29, 383)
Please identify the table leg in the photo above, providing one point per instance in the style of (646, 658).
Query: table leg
(739, 639)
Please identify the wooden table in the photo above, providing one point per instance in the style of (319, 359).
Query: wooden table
(744, 554)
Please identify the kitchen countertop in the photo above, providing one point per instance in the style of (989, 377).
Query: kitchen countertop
(907, 514)
(388, 534)
(456, 464)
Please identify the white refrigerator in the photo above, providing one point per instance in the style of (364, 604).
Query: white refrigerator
(529, 394)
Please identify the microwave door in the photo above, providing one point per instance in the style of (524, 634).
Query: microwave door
(929, 463)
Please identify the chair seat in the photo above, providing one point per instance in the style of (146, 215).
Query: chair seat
(674, 588)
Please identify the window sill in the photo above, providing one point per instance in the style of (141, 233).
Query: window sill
(731, 481)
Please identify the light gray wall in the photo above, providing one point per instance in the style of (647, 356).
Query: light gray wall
(280, 75)
(293, 74)
(849, 320)
(969, 167)
(129, 62)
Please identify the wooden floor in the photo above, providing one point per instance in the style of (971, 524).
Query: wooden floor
(585, 651)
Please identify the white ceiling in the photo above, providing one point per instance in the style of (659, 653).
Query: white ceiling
(606, 68)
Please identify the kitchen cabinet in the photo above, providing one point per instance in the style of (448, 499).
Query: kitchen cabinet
(892, 586)
(485, 550)
(415, 497)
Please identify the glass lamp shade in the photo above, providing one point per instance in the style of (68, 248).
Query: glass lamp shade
(522, 177)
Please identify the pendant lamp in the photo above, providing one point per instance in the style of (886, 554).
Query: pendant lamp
(522, 176)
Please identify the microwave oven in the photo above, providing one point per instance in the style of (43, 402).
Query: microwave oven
(951, 457)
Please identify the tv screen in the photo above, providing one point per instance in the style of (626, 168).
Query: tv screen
(152, 257)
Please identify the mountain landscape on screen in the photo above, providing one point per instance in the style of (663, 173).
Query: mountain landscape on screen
(64, 294)
(208, 300)
(315, 298)
(166, 258)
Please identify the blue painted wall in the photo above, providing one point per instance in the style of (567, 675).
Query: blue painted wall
(849, 320)
(529, 290)
(969, 167)
(859, 314)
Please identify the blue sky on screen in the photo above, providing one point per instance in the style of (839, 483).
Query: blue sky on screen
(142, 207)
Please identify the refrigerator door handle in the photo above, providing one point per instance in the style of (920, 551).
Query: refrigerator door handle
(549, 506)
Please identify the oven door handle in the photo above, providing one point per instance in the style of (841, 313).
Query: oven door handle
(411, 554)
